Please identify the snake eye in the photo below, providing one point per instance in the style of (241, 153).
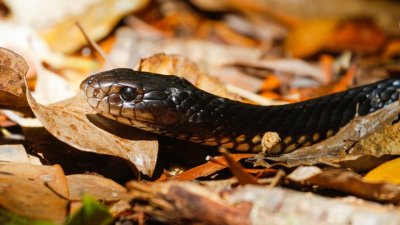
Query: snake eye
(128, 94)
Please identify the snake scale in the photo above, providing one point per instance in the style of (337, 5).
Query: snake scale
(171, 106)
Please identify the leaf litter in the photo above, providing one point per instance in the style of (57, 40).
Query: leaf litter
(232, 50)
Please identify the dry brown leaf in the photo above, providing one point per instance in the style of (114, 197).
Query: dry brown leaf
(12, 93)
(74, 122)
(70, 122)
(346, 181)
(95, 186)
(31, 198)
(53, 176)
(98, 20)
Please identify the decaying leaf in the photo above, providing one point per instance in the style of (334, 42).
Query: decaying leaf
(69, 122)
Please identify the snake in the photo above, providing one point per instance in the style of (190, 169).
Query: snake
(170, 105)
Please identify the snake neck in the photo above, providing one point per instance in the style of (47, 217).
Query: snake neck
(212, 120)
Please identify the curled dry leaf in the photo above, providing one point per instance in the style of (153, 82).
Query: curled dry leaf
(31, 198)
(12, 93)
(73, 122)
(95, 186)
(346, 181)
(69, 122)
(344, 146)
(183, 203)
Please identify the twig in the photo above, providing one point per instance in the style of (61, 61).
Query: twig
(91, 43)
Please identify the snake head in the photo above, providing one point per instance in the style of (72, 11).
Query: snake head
(135, 98)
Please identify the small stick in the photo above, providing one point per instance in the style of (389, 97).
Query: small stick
(91, 43)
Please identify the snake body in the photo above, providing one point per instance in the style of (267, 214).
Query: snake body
(170, 105)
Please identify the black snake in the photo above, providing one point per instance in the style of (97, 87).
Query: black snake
(170, 105)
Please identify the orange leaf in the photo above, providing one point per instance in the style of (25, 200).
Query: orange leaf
(209, 168)
(387, 172)
(309, 37)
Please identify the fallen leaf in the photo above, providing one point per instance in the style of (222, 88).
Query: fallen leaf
(53, 176)
(74, 122)
(94, 20)
(12, 93)
(310, 37)
(386, 172)
(96, 187)
(360, 36)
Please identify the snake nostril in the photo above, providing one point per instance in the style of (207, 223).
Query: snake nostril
(85, 83)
